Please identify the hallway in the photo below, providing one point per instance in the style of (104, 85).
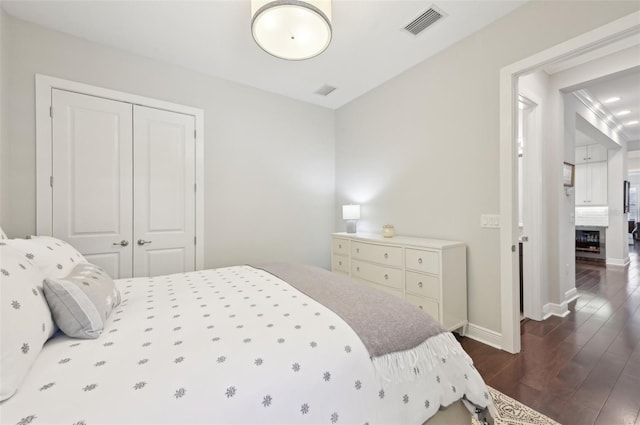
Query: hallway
(584, 368)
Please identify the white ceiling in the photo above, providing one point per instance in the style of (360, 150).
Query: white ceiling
(627, 88)
(369, 44)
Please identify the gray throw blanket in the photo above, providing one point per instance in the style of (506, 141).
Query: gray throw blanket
(401, 339)
(384, 323)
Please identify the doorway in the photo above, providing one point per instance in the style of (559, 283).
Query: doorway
(596, 43)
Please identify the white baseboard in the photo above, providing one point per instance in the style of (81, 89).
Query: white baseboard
(570, 295)
(618, 263)
(484, 335)
(553, 309)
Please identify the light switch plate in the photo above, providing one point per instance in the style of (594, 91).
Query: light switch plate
(490, 221)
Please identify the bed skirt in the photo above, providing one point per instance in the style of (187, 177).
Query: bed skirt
(456, 413)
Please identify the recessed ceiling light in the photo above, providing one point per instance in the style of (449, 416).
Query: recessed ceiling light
(623, 113)
(612, 99)
(634, 122)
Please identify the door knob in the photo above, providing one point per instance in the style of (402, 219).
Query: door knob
(143, 242)
(122, 243)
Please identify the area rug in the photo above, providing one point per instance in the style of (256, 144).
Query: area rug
(512, 412)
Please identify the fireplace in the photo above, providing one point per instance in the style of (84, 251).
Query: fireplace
(590, 243)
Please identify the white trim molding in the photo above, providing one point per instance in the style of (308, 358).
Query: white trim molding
(618, 263)
(44, 86)
(484, 335)
(562, 309)
(571, 295)
(612, 123)
(553, 309)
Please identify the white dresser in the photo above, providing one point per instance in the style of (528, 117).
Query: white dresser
(429, 273)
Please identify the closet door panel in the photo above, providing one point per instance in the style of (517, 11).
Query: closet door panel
(110, 262)
(164, 192)
(92, 178)
(166, 175)
(166, 261)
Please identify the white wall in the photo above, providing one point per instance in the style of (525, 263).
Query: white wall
(269, 160)
(422, 150)
(633, 161)
(4, 140)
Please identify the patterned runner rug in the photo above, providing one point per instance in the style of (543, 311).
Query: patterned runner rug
(512, 412)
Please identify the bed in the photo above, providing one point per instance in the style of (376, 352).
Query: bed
(240, 345)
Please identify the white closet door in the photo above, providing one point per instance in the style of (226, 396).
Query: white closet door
(164, 192)
(92, 178)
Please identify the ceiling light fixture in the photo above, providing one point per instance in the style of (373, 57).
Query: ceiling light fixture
(612, 99)
(623, 113)
(291, 29)
(634, 122)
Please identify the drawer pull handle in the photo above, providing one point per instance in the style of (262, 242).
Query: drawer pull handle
(419, 260)
(340, 262)
(358, 268)
(419, 284)
(340, 246)
(358, 250)
(421, 307)
(386, 255)
(386, 276)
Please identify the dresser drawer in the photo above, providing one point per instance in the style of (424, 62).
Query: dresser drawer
(377, 274)
(389, 290)
(429, 306)
(340, 263)
(423, 285)
(422, 261)
(387, 255)
(340, 246)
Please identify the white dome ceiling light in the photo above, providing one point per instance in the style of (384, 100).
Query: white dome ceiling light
(291, 29)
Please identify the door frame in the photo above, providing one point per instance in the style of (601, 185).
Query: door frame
(533, 209)
(587, 43)
(44, 85)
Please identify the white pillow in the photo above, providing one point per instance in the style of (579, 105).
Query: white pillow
(3, 235)
(25, 318)
(55, 257)
(82, 301)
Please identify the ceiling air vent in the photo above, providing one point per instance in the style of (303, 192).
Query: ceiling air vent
(428, 18)
(325, 90)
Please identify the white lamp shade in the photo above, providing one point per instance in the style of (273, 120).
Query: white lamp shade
(351, 212)
(292, 29)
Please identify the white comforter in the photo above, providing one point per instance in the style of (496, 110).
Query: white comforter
(229, 345)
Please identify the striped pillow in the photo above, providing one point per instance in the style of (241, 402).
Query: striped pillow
(82, 301)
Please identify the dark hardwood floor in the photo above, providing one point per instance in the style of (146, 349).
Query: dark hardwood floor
(584, 368)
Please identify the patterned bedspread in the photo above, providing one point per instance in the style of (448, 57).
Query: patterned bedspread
(228, 345)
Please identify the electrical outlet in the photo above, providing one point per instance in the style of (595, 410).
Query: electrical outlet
(490, 221)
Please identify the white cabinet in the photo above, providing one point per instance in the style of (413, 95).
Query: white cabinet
(591, 153)
(597, 178)
(428, 273)
(591, 183)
